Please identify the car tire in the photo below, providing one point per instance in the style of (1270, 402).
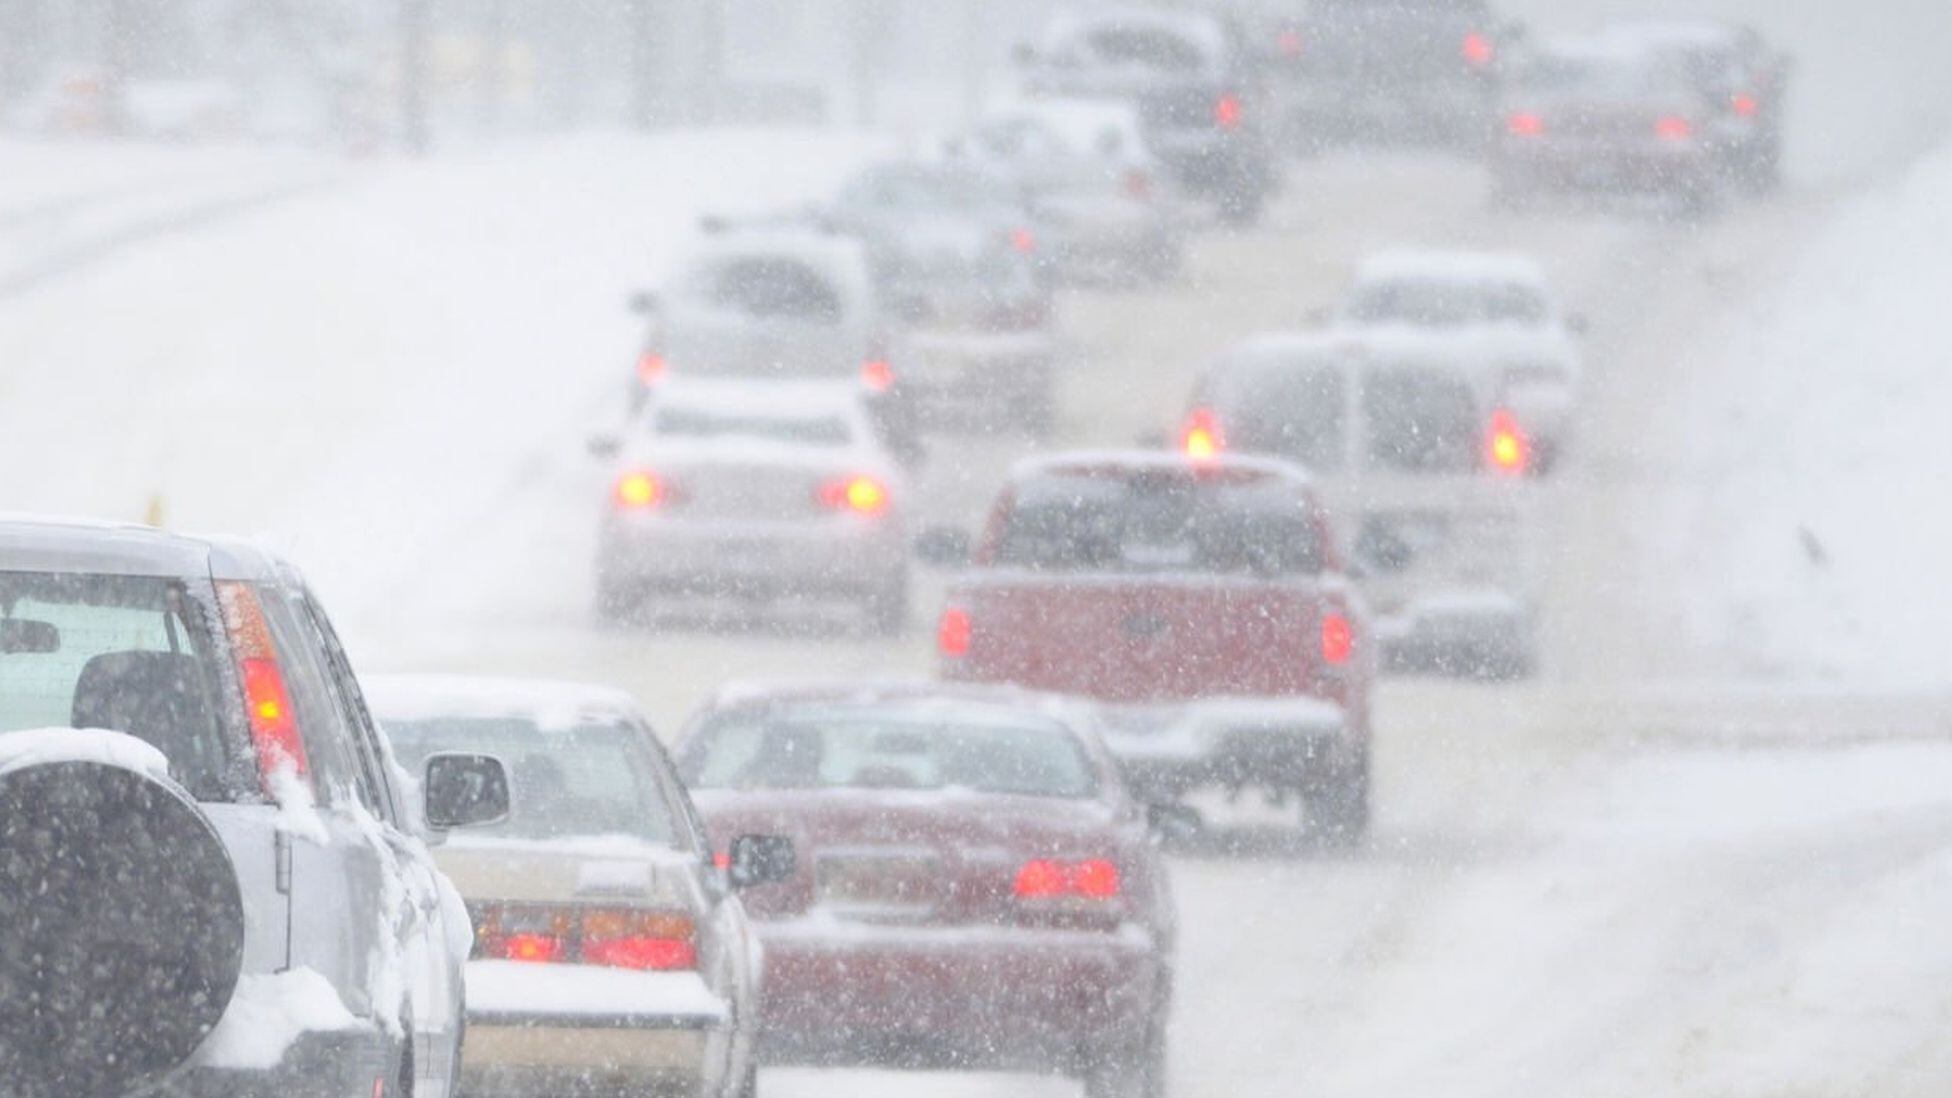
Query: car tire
(886, 606)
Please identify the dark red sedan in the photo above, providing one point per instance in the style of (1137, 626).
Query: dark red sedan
(975, 890)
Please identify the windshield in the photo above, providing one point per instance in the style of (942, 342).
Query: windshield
(1160, 522)
(587, 781)
(1438, 303)
(678, 422)
(878, 749)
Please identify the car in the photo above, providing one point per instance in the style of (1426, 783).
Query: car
(215, 882)
(1103, 206)
(610, 950)
(1204, 605)
(775, 300)
(975, 889)
(1500, 311)
(1372, 72)
(1192, 80)
(1616, 116)
(1421, 469)
(754, 490)
(1740, 78)
(954, 251)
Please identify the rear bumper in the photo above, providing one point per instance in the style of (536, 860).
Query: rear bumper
(822, 557)
(1602, 166)
(975, 997)
(1165, 751)
(1219, 165)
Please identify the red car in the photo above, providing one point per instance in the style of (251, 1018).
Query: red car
(1201, 601)
(974, 889)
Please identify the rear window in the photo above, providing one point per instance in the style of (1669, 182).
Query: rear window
(1144, 47)
(1295, 412)
(772, 287)
(1161, 521)
(1620, 79)
(863, 748)
(700, 423)
(585, 781)
(1436, 303)
(130, 654)
(1419, 421)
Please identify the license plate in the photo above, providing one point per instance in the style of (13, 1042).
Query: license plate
(891, 882)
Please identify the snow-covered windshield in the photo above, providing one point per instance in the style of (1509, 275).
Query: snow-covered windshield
(867, 748)
(585, 781)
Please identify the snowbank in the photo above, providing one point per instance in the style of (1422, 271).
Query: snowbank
(1812, 504)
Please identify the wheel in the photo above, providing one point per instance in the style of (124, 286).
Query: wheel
(887, 606)
(1338, 810)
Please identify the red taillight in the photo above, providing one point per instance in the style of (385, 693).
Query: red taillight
(1338, 639)
(1673, 127)
(953, 632)
(642, 940)
(650, 367)
(877, 375)
(533, 948)
(1291, 44)
(861, 495)
(1507, 448)
(1525, 124)
(1227, 112)
(1138, 184)
(613, 937)
(1201, 439)
(1023, 240)
(639, 490)
(1745, 105)
(267, 704)
(1048, 879)
(1478, 50)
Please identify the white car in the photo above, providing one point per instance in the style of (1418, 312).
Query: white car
(610, 950)
(1502, 315)
(755, 491)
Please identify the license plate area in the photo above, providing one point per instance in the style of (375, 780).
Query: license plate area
(898, 886)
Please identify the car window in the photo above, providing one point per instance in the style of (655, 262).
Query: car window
(375, 785)
(131, 654)
(1296, 412)
(865, 748)
(826, 431)
(773, 287)
(1419, 421)
(337, 776)
(588, 780)
(1143, 47)
(1161, 522)
(1437, 303)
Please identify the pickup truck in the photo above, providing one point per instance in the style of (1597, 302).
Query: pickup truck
(1201, 604)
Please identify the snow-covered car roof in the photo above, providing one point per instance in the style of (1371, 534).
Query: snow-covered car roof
(1087, 461)
(1202, 30)
(66, 544)
(1462, 267)
(549, 704)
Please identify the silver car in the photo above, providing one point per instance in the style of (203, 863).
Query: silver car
(212, 884)
(611, 951)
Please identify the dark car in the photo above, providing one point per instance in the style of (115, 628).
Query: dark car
(1383, 71)
(1194, 81)
(212, 882)
(1744, 83)
(974, 888)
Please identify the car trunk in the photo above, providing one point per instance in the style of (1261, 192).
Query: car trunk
(1141, 639)
(746, 488)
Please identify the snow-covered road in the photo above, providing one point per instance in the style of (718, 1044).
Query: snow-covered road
(1638, 875)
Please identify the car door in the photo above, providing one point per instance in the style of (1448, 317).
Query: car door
(433, 950)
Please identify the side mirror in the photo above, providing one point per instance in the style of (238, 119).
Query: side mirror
(943, 546)
(20, 637)
(604, 446)
(645, 303)
(760, 859)
(1174, 822)
(465, 791)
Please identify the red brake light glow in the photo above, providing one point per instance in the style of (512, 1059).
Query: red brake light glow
(1507, 448)
(861, 495)
(1291, 44)
(534, 948)
(1338, 639)
(877, 375)
(1201, 440)
(650, 367)
(1745, 105)
(1227, 112)
(1478, 50)
(1673, 127)
(1048, 879)
(640, 491)
(611, 937)
(952, 634)
(267, 704)
(1525, 124)
(1023, 240)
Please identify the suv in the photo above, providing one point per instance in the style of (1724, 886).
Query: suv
(212, 884)
(1202, 603)
(1194, 83)
(1369, 71)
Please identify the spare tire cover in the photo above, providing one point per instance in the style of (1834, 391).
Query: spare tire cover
(124, 929)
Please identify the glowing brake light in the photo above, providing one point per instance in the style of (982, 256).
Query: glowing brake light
(953, 632)
(267, 704)
(1673, 127)
(1338, 639)
(861, 495)
(1478, 50)
(1201, 440)
(1227, 112)
(1745, 105)
(1048, 879)
(877, 375)
(1291, 44)
(1023, 240)
(648, 941)
(611, 937)
(1507, 448)
(1525, 124)
(650, 367)
(532, 948)
(640, 491)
